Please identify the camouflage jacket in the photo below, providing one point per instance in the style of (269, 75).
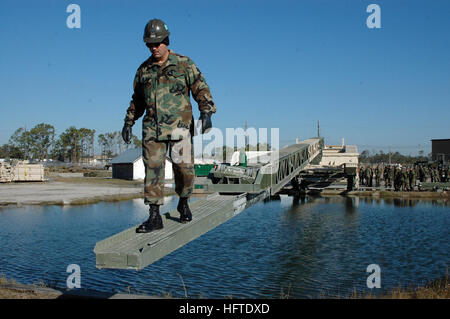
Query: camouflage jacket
(163, 93)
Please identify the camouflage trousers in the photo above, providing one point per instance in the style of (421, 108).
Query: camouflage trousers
(181, 154)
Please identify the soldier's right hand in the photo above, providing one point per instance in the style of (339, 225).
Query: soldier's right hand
(126, 133)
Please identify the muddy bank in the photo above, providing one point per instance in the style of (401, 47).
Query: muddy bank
(19, 291)
(384, 194)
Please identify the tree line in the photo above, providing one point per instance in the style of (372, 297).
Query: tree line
(74, 144)
(396, 157)
(77, 145)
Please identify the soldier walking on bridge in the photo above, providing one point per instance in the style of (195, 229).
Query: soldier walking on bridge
(162, 87)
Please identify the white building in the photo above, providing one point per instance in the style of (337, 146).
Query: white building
(130, 165)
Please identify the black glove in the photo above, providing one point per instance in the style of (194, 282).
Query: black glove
(205, 119)
(126, 133)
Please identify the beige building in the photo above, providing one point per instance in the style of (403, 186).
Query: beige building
(339, 155)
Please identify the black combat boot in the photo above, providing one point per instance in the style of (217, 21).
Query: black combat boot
(153, 222)
(183, 208)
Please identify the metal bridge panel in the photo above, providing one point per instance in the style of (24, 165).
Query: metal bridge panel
(129, 250)
(234, 188)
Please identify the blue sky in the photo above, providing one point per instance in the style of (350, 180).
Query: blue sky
(284, 64)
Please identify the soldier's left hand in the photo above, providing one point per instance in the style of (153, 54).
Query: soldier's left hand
(205, 120)
(127, 133)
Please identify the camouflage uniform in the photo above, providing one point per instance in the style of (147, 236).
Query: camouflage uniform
(422, 174)
(369, 175)
(361, 175)
(432, 175)
(412, 178)
(163, 93)
(377, 175)
(391, 176)
(386, 176)
(398, 179)
(442, 174)
(405, 180)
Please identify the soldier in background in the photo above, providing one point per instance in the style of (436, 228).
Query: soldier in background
(362, 174)
(412, 179)
(386, 176)
(430, 170)
(358, 173)
(391, 176)
(404, 174)
(446, 173)
(397, 179)
(162, 88)
(433, 174)
(423, 173)
(417, 171)
(442, 174)
(377, 175)
(369, 176)
(437, 179)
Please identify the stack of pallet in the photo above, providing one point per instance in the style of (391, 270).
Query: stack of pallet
(21, 172)
(5, 172)
(27, 172)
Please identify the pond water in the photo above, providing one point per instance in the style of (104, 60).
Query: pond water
(276, 248)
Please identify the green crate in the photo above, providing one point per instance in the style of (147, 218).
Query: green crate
(203, 169)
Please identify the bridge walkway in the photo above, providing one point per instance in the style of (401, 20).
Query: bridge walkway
(131, 250)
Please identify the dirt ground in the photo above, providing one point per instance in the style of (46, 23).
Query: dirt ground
(71, 191)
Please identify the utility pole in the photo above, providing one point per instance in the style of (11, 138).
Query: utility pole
(318, 128)
(246, 137)
(26, 143)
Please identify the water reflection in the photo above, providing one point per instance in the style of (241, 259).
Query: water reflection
(351, 205)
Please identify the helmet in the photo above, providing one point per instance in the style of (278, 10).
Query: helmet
(155, 31)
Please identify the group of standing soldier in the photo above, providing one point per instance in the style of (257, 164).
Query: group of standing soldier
(401, 178)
